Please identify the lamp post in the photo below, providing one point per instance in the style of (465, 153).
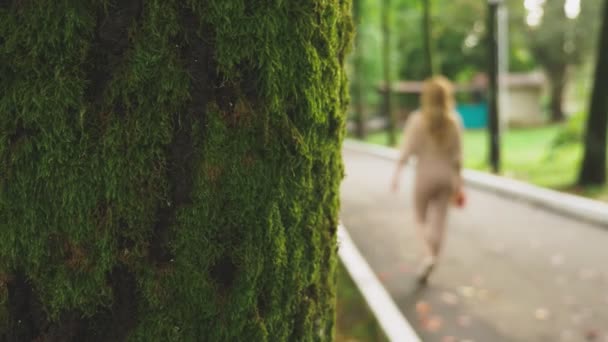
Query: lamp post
(493, 85)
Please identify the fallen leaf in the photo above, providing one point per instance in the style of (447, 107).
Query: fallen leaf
(467, 291)
(478, 280)
(541, 314)
(423, 308)
(449, 298)
(433, 324)
(448, 339)
(591, 335)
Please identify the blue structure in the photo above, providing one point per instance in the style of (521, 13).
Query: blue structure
(474, 115)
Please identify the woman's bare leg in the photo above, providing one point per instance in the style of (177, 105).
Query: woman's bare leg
(437, 225)
(435, 233)
(422, 225)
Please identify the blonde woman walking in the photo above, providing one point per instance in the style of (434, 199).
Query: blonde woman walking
(433, 136)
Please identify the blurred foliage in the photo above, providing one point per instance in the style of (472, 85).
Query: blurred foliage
(558, 40)
(354, 321)
(571, 132)
(458, 31)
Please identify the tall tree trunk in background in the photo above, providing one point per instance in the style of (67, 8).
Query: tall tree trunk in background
(427, 29)
(386, 65)
(558, 79)
(357, 79)
(168, 173)
(593, 169)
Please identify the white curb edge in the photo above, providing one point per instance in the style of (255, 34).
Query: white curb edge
(390, 318)
(571, 206)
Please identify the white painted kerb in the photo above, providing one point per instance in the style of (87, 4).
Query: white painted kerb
(561, 203)
(395, 326)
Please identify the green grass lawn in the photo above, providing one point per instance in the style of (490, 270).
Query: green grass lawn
(355, 322)
(526, 155)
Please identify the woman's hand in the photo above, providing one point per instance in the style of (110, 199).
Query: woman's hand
(459, 198)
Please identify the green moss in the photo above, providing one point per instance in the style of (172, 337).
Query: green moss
(196, 151)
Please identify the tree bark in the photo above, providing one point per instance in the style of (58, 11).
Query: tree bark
(169, 170)
(593, 168)
(386, 65)
(558, 86)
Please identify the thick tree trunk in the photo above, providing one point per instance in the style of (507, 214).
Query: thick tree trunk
(386, 65)
(357, 81)
(593, 168)
(558, 86)
(169, 170)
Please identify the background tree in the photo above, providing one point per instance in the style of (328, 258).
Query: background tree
(593, 169)
(427, 32)
(457, 52)
(357, 79)
(169, 170)
(558, 43)
(386, 67)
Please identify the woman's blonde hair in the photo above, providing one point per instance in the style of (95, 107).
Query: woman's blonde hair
(438, 107)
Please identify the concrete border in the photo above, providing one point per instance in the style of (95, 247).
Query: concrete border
(571, 206)
(393, 323)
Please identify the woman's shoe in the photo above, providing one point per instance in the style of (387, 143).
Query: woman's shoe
(425, 270)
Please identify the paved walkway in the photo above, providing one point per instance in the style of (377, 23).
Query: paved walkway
(509, 272)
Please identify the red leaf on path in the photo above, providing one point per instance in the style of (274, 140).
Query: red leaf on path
(541, 314)
(423, 308)
(433, 324)
(591, 335)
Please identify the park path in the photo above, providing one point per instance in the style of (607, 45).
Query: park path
(509, 271)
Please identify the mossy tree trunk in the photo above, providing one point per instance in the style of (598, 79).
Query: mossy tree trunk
(593, 168)
(169, 169)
